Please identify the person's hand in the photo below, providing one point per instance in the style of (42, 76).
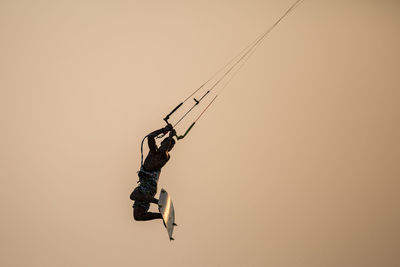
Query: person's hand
(168, 128)
(172, 132)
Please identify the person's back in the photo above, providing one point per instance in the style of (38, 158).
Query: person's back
(157, 157)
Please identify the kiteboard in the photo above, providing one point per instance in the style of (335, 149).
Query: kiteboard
(167, 211)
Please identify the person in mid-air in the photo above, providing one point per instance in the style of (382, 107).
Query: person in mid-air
(149, 174)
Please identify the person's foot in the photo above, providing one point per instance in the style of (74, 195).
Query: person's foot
(154, 200)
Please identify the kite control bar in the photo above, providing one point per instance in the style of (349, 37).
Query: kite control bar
(167, 118)
(196, 102)
(175, 109)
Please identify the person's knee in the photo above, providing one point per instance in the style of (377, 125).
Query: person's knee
(137, 195)
(137, 217)
(138, 214)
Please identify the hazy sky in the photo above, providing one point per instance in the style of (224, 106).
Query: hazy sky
(296, 164)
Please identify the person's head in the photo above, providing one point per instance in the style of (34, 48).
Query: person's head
(165, 142)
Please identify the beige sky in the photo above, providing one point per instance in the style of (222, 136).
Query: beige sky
(296, 164)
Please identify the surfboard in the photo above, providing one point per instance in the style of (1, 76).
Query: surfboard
(166, 208)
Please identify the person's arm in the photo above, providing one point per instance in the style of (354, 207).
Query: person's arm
(151, 141)
(172, 133)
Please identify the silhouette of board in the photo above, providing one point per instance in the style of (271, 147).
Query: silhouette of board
(167, 211)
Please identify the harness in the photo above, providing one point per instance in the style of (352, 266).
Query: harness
(145, 174)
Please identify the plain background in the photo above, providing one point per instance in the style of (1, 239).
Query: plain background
(296, 163)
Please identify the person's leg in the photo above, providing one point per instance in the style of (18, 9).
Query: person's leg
(137, 195)
(141, 214)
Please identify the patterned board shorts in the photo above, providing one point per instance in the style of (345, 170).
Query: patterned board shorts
(148, 185)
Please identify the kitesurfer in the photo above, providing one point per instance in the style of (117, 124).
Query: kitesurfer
(149, 174)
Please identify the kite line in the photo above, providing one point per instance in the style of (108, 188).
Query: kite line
(231, 68)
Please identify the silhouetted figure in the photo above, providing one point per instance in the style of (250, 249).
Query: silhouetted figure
(149, 174)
